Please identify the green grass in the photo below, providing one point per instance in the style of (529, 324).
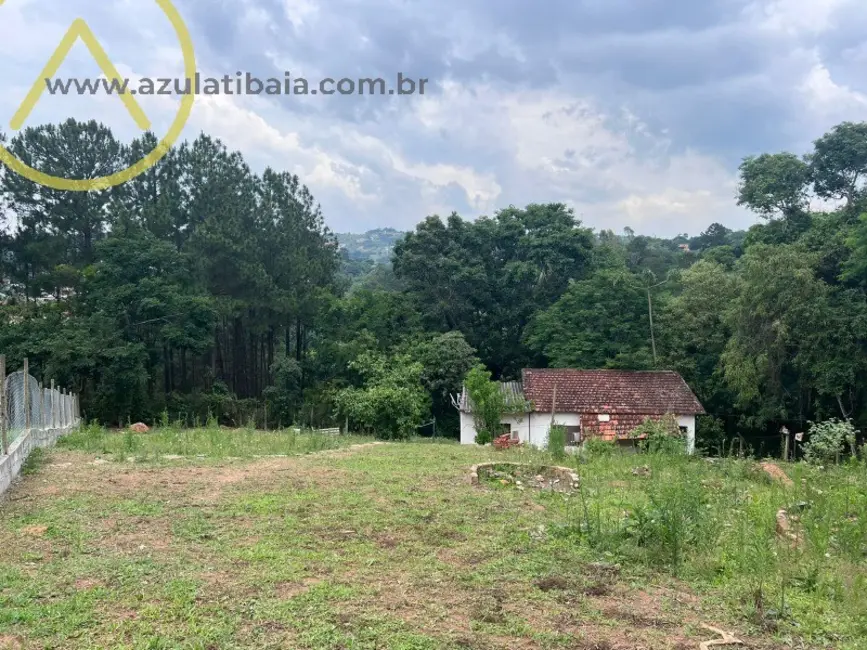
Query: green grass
(391, 547)
(210, 442)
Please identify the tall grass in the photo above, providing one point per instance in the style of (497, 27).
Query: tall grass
(208, 442)
(714, 523)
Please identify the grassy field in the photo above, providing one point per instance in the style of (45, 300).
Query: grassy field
(389, 546)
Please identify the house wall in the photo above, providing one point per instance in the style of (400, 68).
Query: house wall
(532, 428)
(518, 422)
(688, 421)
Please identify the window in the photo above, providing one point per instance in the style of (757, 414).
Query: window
(573, 435)
(505, 428)
(684, 429)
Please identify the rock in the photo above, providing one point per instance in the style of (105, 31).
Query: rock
(784, 527)
(139, 427)
(641, 471)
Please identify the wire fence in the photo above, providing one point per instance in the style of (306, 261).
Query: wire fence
(26, 405)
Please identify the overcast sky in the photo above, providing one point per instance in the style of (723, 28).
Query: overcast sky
(634, 112)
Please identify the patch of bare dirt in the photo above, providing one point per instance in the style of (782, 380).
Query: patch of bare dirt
(34, 531)
(8, 642)
(552, 582)
(775, 472)
(288, 590)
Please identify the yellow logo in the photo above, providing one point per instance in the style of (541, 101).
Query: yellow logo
(79, 29)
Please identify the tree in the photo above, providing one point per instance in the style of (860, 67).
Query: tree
(59, 229)
(392, 403)
(694, 332)
(839, 162)
(488, 404)
(446, 359)
(489, 277)
(597, 323)
(715, 236)
(793, 337)
(774, 184)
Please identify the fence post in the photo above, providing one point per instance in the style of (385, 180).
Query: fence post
(53, 406)
(26, 395)
(5, 439)
(41, 407)
(62, 408)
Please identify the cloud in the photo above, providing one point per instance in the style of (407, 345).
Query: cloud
(633, 113)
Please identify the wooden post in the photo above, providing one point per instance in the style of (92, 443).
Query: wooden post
(3, 408)
(26, 395)
(786, 448)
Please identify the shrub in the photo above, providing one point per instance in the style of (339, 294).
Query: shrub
(489, 404)
(598, 448)
(557, 440)
(828, 440)
(660, 436)
(710, 436)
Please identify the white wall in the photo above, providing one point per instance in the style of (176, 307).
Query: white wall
(468, 428)
(532, 428)
(688, 421)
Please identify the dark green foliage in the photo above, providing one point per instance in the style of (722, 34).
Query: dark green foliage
(599, 322)
(203, 290)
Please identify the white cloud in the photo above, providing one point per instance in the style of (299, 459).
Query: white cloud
(796, 17)
(828, 99)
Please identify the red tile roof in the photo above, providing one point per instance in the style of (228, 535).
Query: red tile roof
(610, 391)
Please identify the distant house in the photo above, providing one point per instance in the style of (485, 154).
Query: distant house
(600, 404)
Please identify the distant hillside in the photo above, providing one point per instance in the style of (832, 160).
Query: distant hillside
(374, 245)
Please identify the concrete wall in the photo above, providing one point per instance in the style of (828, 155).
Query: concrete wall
(11, 465)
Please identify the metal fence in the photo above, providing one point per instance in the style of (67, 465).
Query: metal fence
(26, 405)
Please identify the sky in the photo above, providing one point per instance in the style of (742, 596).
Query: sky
(633, 112)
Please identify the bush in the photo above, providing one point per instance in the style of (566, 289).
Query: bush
(660, 436)
(489, 404)
(828, 440)
(557, 440)
(484, 438)
(710, 436)
(599, 448)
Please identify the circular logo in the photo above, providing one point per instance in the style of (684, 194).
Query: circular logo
(124, 175)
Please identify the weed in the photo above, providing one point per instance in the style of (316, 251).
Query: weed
(34, 461)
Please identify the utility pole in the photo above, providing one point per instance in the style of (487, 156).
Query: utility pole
(649, 289)
(652, 336)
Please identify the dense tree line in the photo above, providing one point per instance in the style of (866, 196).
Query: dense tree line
(201, 288)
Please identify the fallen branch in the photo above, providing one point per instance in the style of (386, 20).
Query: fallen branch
(727, 639)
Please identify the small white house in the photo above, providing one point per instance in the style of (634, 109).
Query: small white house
(601, 404)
